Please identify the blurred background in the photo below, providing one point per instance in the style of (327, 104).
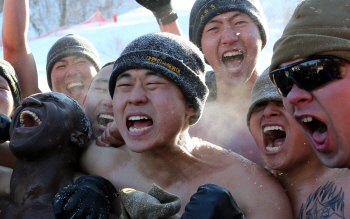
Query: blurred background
(111, 24)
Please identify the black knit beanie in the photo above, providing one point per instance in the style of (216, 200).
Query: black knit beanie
(175, 58)
(69, 45)
(204, 10)
(9, 74)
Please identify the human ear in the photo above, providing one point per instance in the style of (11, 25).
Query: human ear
(79, 139)
(189, 110)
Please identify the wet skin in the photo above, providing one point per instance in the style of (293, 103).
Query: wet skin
(98, 103)
(284, 148)
(51, 110)
(141, 92)
(47, 145)
(72, 75)
(328, 106)
(228, 34)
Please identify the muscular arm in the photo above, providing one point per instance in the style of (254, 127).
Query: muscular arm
(16, 50)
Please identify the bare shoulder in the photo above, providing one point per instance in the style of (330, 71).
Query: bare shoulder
(95, 158)
(207, 151)
(258, 193)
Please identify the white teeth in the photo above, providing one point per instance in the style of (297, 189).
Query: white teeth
(132, 129)
(74, 85)
(105, 116)
(271, 148)
(307, 119)
(269, 128)
(138, 117)
(24, 112)
(232, 53)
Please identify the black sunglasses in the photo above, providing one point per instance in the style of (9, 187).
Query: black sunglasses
(308, 74)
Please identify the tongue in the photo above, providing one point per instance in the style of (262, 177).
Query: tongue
(320, 135)
(278, 142)
(142, 123)
(234, 62)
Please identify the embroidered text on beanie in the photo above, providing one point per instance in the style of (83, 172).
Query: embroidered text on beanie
(204, 10)
(175, 58)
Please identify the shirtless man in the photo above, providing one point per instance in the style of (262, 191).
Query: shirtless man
(49, 133)
(155, 99)
(286, 150)
(315, 87)
(98, 103)
(231, 35)
(72, 61)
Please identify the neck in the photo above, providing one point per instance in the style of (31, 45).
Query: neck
(39, 181)
(169, 164)
(234, 92)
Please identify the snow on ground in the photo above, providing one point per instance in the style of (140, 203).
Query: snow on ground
(110, 38)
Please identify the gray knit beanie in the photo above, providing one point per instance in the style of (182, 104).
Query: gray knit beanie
(317, 27)
(263, 91)
(204, 10)
(175, 58)
(68, 45)
(9, 74)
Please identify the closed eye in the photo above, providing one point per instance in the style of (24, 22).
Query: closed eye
(212, 29)
(124, 85)
(241, 22)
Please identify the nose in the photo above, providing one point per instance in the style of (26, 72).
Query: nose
(271, 109)
(108, 102)
(137, 95)
(30, 101)
(298, 97)
(229, 36)
(71, 70)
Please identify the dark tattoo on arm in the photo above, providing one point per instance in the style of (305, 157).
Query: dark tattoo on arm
(326, 202)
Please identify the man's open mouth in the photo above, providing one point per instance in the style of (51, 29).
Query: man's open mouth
(316, 129)
(75, 87)
(104, 119)
(139, 123)
(233, 60)
(274, 137)
(29, 119)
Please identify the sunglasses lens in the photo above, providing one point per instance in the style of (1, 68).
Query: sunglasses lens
(308, 74)
(280, 79)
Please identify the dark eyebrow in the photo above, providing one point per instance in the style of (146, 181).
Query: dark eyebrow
(230, 19)
(51, 98)
(62, 60)
(124, 75)
(152, 73)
